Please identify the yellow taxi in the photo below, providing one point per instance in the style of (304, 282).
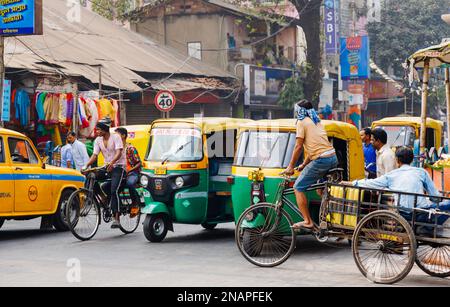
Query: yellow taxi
(28, 187)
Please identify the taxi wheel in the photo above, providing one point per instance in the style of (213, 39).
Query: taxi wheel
(209, 226)
(59, 219)
(2, 221)
(155, 227)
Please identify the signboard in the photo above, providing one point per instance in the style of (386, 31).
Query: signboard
(355, 58)
(165, 101)
(330, 24)
(6, 111)
(20, 17)
(263, 84)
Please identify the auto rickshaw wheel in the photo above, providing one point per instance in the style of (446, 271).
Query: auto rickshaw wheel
(59, 218)
(155, 227)
(2, 221)
(384, 247)
(434, 259)
(209, 226)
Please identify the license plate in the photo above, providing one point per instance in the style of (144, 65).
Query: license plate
(160, 171)
(158, 184)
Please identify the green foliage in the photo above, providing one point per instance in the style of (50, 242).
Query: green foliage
(112, 9)
(405, 27)
(291, 92)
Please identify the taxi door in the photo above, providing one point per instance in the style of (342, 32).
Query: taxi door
(33, 184)
(6, 182)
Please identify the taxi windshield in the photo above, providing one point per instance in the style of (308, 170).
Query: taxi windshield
(399, 135)
(175, 144)
(265, 149)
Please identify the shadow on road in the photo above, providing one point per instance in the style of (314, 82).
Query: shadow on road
(8, 235)
(202, 236)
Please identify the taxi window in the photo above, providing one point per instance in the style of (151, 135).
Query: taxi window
(2, 151)
(21, 151)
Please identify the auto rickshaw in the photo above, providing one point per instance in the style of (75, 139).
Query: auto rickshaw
(405, 131)
(265, 149)
(185, 172)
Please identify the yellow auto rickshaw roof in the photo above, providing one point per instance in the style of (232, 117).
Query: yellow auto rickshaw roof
(4, 131)
(405, 120)
(207, 124)
(135, 128)
(334, 128)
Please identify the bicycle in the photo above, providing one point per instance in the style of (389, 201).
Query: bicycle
(87, 206)
(265, 228)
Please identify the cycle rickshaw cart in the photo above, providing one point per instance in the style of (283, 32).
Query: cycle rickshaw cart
(387, 239)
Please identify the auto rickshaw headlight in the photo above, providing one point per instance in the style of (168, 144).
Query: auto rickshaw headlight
(179, 182)
(144, 181)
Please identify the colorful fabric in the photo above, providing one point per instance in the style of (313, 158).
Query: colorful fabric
(106, 109)
(83, 119)
(133, 159)
(62, 116)
(22, 104)
(70, 110)
(302, 113)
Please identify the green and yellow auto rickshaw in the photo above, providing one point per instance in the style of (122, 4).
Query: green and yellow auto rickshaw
(405, 131)
(186, 172)
(265, 149)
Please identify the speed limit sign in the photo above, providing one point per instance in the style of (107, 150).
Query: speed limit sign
(165, 101)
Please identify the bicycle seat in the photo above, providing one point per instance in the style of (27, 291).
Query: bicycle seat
(335, 170)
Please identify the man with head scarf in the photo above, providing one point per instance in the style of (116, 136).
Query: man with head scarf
(319, 159)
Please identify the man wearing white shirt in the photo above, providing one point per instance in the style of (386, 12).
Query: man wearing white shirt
(386, 160)
(80, 156)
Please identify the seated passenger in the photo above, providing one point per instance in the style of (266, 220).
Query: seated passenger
(409, 179)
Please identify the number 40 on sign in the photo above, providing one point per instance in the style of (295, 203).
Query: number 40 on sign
(165, 101)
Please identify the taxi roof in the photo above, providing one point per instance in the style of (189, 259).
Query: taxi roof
(4, 131)
(208, 124)
(333, 127)
(415, 121)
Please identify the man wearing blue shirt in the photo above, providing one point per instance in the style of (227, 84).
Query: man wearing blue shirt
(66, 156)
(370, 155)
(408, 179)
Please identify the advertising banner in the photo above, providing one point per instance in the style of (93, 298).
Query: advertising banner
(6, 111)
(354, 58)
(330, 25)
(20, 17)
(263, 84)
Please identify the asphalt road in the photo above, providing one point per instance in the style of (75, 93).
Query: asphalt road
(189, 257)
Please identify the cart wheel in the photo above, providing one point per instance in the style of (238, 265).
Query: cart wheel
(434, 259)
(155, 227)
(209, 226)
(384, 247)
(264, 235)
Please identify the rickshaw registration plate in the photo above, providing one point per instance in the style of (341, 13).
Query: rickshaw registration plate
(160, 171)
(158, 184)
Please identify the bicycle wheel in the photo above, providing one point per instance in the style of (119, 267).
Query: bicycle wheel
(434, 259)
(384, 247)
(264, 235)
(83, 215)
(129, 221)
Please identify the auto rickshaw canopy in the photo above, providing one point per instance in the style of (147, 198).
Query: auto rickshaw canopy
(410, 121)
(206, 124)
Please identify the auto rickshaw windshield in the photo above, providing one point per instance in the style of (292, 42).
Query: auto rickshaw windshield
(175, 145)
(400, 135)
(265, 149)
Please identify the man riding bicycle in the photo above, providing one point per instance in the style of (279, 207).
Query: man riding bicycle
(320, 159)
(111, 146)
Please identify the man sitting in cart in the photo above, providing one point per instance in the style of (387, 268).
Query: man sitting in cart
(321, 157)
(408, 179)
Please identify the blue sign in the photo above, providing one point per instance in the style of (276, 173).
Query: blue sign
(6, 107)
(330, 25)
(17, 17)
(355, 55)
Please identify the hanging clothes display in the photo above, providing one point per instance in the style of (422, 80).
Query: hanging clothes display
(106, 109)
(91, 109)
(22, 104)
(82, 115)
